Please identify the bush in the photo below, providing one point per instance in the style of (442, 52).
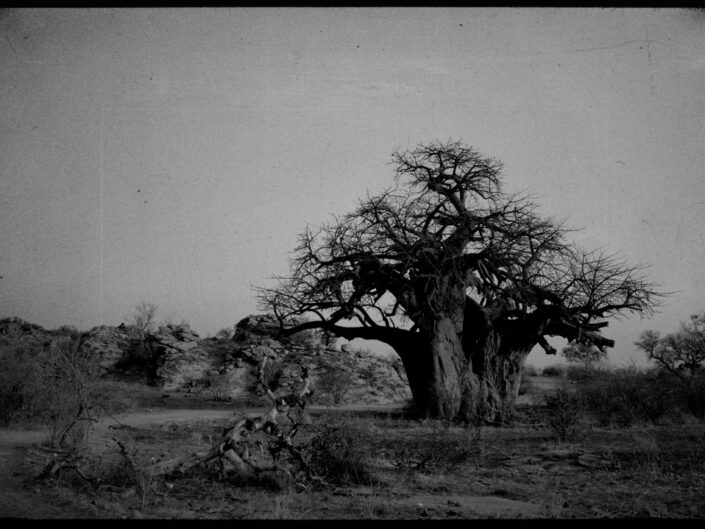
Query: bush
(225, 334)
(681, 356)
(337, 454)
(583, 354)
(626, 395)
(692, 396)
(336, 383)
(529, 371)
(42, 383)
(565, 410)
(580, 373)
(553, 371)
(445, 450)
(219, 387)
(308, 338)
(142, 321)
(20, 387)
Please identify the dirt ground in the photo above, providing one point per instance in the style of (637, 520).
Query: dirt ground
(418, 469)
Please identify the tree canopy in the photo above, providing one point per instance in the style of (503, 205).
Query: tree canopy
(448, 214)
(681, 352)
(447, 242)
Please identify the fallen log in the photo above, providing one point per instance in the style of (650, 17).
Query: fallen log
(233, 446)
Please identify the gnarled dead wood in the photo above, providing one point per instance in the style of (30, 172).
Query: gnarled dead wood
(234, 445)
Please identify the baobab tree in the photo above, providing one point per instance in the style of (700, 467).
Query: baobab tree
(461, 278)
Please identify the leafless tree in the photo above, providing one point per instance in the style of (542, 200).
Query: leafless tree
(143, 318)
(682, 355)
(459, 277)
(585, 355)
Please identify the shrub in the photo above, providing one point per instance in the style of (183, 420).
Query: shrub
(583, 354)
(581, 373)
(219, 387)
(693, 396)
(143, 319)
(225, 334)
(43, 383)
(682, 356)
(67, 330)
(336, 383)
(565, 409)
(447, 449)
(337, 454)
(553, 371)
(20, 387)
(307, 338)
(626, 395)
(529, 371)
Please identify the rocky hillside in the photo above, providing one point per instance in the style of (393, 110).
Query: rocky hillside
(175, 358)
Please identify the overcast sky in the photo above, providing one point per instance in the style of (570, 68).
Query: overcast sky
(173, 155)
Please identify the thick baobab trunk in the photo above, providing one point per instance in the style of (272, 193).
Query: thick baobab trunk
(467, 369)
(475, 379)
(445, 368)
(498, 367)
(497, 351)
(437, 370)
(437, 367)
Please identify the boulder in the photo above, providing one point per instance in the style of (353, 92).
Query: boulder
(182, 358)
(105, 347)
(262, 325)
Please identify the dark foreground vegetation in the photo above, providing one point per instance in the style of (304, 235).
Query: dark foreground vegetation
(395, 468)
(587, 442)
(584, 441)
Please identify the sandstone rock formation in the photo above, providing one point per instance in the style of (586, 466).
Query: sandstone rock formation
(105, 347)
(175, 358)
(355, 377)
(181, 360)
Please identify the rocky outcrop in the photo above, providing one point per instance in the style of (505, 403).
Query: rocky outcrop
(175, 358)
(230, 368)
(14, 327)
(105, 347)
(181, 359)
(102, 347)
(253, 326)
(338, 374)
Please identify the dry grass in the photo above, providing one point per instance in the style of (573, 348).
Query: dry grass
(376, 466)
(386, 465)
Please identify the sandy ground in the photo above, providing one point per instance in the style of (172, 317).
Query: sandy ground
(19, 501)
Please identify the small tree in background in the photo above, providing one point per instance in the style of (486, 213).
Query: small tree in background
(336, 383)
(225, 334)
(682, 355)
(140, 324)
(584, 355)
(143, 319)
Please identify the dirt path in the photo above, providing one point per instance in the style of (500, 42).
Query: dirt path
(159, 416)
